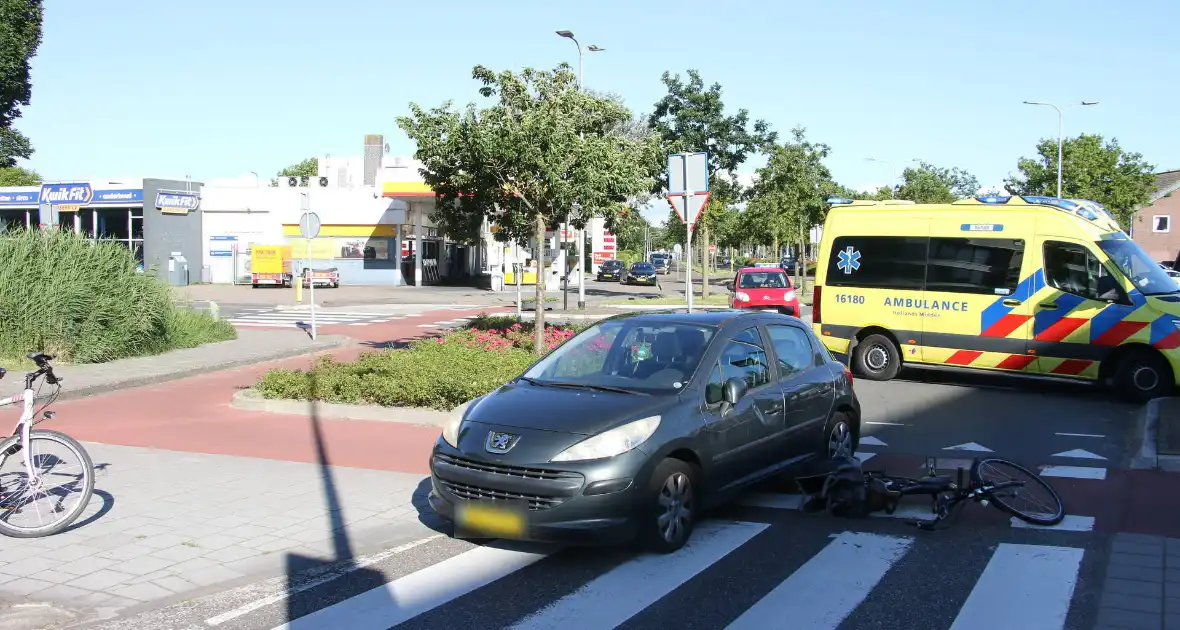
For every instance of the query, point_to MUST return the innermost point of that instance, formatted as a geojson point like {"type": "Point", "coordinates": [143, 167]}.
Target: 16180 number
{"type": "Point", "coordinates": [842, 298]}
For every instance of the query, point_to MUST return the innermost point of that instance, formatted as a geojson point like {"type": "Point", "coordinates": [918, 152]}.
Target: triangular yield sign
{"type": "Point", "coordinates": [970, 446]}
{"type": "Point", "coordinates": [871, 441]}
{"type": "Point", "coordinates": [1079, 454]}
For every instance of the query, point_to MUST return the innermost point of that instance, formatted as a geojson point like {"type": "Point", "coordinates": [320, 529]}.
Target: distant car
{"type": "Point", "coordinates": [640, 273]}
{"type": "Point", "coordinates": [765, 265]}
{"type": "Point", "coordinates": [763, 288]}
{"type": "Point", "coordinates": [636, 426]}
{"type": "Point", "coordinates": [787, 264]}
{"type": "Point", "coordinates": [1174, 275]}
{"type": "Point", "coordinates": [610, 270]}
{"type": "Point", "coordinates": [662, 266]}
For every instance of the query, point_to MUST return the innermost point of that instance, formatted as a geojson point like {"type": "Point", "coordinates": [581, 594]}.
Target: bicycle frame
{"type": "Point", "coordinates": [24, 426]}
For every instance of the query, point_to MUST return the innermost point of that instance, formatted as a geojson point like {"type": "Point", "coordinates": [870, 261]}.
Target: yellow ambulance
{"type": "Point", "coordinates": [1029, 285]}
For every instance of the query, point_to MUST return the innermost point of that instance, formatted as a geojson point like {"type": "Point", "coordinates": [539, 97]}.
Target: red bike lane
{"type": "Point", "coordinates": [194, 414]}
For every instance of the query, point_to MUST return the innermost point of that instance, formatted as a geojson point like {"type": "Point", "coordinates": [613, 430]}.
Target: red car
{"type": "Point", "coordinates": [764, 288]}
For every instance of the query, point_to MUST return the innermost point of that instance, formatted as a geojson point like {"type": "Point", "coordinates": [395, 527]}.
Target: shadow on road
{"type": "Point", "coordinates": [108, 503]}
{"type": "Point", "coordinates": [303, 600]}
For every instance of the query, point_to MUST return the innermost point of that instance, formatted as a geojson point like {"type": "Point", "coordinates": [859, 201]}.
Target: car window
{"type": "Point", "coordinates": [880, 262]}
{"type": "Point", "coordinates": [763, 280]}
{"type": "Point", "coordinates": [745, 360]}
{"type": "Point", "coordinates": [750, 336]}
{"type": "Point", "coordinates": [793, 348]}
{"type": "Point", "coordinates": [1073, 269]}
{"type": "Point", "coordinates": [714, 388]}
{"type": "Point", "coordinates": [627, 354]}
{"type": "Point", "coordinates": [975, 265]}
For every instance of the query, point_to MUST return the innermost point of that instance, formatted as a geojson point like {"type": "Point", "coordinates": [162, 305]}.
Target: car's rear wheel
{"type": "Point", "coordinates": [671, 510]}
{"type": "Point", "coordinates": [876, 358]}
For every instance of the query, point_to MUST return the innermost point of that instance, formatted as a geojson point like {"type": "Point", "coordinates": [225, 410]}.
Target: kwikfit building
{"type": "Point", "coordinates": [158, 218]}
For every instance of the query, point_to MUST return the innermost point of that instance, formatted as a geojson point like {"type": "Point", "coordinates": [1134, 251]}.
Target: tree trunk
{"type": "Point", "coordinates": [539, 319]}
{"type": "Point", "coordinates": [776, 242]}
{"type": "Point", "coordinates": [705, 263]}
{"type": "Point", "coordinates": [801, 265]}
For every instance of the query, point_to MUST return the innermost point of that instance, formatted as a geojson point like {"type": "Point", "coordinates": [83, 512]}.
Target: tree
{"type": "Point", "coordinates": [692, 118]}
{"type": "Point", "coordinates": [930, 184]}
{"type": "Point", "coordinates": [1094, 170]}
{"type": "Point", "coordinates": [629, 230]}
{"type": "Point", "coordinates": [307, 168]}
{"type": "Point", "coordinates": [20, 36]}
{"type": "Point", "coordinates": [789, 193]}
{"type": "Point", "coordinates": [543, 146]}
{"type": "Point", "coordinates": [15, 176]}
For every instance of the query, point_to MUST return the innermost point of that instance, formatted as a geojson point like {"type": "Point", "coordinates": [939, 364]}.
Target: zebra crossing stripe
{"type": "Point", "coordinates": [627, 590]}
{"type": "Point", "coordinates": [1023, 587]}
{"type": "Point", "coordinates": [407, 597]}
{"type": "Point", "coordinates": [829, 586]}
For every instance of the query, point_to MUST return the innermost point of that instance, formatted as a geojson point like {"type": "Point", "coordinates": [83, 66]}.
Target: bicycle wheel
{"type": "Point", "coordinates": [1045, 507]}
{"type": "Point", "coordinates": [41, 501]}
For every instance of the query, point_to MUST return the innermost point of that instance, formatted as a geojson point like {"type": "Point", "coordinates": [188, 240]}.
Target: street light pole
{"type": "Point", "coordinates": [1060, 137]}
{"type": "Point", "coordinates": [581, 233]}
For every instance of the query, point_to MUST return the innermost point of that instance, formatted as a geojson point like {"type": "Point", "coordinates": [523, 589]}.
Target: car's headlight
{"type": "Point", "coordinates": [450, 428]}
{"type": "Point", "coordinates": [610, 443]}
{"type": "Point", "coordinates": [790, 295]}
{"type": "Point", "coordinates": [742, 296]}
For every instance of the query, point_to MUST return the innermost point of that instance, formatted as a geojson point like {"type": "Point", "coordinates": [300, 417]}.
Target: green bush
{"type": "Point", "coordinates": [427, 374]}
{"type": "Point", "coordinates": [84, 302]}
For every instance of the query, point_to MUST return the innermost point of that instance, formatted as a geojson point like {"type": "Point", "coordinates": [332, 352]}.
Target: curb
{"type": "Point", "coordinates": [663, 307]}
{"type": "Point", "coordinates": [67, 393]}
{"type": "Point", "coordinates": [252, 400]}
{"type": "Point", "coordinates": [1148, 457]}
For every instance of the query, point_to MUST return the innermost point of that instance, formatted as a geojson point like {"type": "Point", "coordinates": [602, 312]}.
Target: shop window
{"type": "Point", "coordinates": [112, 223]}
{"type": "Point", "coordinates": [86, 222]}
{"type": "Point", "coordinates": [137, 226]}
{"type": "Point", "coordinates": [364, 249]}
{"type": "Point", "coordinates": [66, 221]}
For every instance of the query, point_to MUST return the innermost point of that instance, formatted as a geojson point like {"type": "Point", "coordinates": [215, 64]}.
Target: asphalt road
{"type": "Point", "coordinates": [745, 568]}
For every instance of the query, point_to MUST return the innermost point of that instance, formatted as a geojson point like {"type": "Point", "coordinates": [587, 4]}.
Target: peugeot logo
{"type": "Point", "coordinates": [500, 442]}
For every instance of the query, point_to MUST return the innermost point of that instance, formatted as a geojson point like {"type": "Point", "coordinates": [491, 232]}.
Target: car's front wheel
{"type": "Point", "coordinates": [671, 510]}
{"type": "Point", "coordinates": [840, 438]}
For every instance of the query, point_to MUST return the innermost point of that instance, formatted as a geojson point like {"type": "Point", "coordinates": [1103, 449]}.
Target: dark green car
{"type": "Point", "coordinates": [641, 273]}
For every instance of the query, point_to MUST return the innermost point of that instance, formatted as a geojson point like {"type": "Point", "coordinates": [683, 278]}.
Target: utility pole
{"type": "Point", "coordinates": [1060, 138]}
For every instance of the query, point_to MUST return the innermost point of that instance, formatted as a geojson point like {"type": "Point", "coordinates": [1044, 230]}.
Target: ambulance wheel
{"type": "Point", "coordinates": [876, 358]}
{"type": "Point", "coordinates": [1143, 375]}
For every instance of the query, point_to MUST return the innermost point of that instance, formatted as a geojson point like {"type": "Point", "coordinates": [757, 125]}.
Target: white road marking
{"type": "Point", "coordinates": [1071, 523]}
{"type": "Point", "coordinates": [407, 597]}
{"type": "Point", "coordinates": [910, 512]}
{"type": "Point", "coordinates": [1087, 435]}
{"type": "Point", "coordinates": [427, 325]}
{"type": "Point", "coordinates": [1078, 453]}
{"type": "Point", "coordinates": [286, 592]}
{"type": "Point", "coordinates": [869, 440]}
{"type": "Point", "coordinates": [623, 592]}
{"type": "Point", "coordinates": [969, 446]}
{"type": "Point", "coordinates": [889, 424]}
{"type": "Point", "coordinates": [1023, 587]}
{"type": "Point", "coordinates": [864, 457]}
{"type": "Point", "coordinates": [1074, 472]}
{"type": "Point", "coordinates": [826, 589]}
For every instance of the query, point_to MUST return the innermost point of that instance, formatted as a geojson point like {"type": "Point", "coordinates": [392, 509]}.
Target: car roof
{"type": "Point", "coordinates": [761, 269]}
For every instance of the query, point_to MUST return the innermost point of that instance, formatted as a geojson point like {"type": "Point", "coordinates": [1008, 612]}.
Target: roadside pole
{"type": "Point", "coordinates": [688, 192]}
{"type": "Point", "coordinates": [309, 228]}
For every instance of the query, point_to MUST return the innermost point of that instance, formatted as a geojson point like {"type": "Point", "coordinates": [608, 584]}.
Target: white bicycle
{"type": "Point", "coordinates": [31, 490]}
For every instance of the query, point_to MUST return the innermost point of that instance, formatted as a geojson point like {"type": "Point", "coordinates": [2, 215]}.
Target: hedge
{"type": "Point", "coordinates": [438, 373]}
{"type": "Point", "coordinates": [83, 301]}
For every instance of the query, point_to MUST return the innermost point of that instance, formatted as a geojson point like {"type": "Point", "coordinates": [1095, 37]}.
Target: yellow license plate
{"type": "Point", "coordinates": [490, 520]}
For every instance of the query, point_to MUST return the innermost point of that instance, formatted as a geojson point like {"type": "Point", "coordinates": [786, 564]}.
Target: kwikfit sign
{"type": "Point", "coordinates": [176, 202]}
{"type": "Point", "coordinates": [78, 194]}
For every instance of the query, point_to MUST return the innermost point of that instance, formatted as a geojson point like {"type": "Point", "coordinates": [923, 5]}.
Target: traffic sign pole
{"type": "Point", "coordinates": [309, 228]}
{"type": "Point", "coordinates": [689, 225]}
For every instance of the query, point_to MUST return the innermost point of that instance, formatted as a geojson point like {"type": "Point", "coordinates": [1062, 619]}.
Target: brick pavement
{"type": "Point", "coordinates": [1142, 587]}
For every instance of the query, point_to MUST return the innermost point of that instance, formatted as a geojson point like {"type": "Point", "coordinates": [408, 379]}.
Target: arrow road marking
{"type": "Point", "coordinates": [1078, 453]}
{"type": "Point", "coordinates": [970, 446]}
{"type": "Point", "coordinates": [871, 441]}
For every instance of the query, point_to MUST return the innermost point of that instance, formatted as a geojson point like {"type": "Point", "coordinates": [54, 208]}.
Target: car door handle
{"type": "Point", "coordinates": [1048, 306]}
{"type": "Point", "coordinates": [1012, 302]}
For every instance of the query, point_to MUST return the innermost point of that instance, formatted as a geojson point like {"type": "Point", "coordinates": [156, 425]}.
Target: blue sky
{"type": "Point", "coordinates": [215, 88]}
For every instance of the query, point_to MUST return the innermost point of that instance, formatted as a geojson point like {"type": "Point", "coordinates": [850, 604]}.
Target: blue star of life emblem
{"type": "Point", "coordinates": [849, 260]}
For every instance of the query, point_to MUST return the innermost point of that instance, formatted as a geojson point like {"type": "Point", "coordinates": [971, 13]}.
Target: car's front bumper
{"type": "Point", "coordinates": [642, 279]}
{"type": "Point", "coordinates": [585, 503]}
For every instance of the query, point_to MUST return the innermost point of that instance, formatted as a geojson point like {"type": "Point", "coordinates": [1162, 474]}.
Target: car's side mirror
{"type": "Point", "coordinates": [731, 392]}
{"type": "Point", "coordinates": [729, 286]}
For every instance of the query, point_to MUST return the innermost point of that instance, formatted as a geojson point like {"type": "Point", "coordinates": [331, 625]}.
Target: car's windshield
{"type": "Point", "coordinates": [1139, 268]}
{"type": "Point", "coordinates": [763, 280]}
{"type": "Point", "coordinates": [641, 267]}
{"type": "Point", "coordinates": [647, 357]}
{"type": "Point", "coordinates": [660, 262]}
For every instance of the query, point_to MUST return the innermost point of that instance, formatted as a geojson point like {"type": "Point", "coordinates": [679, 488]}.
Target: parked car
{"type": "Point", "coordinates": [636, 426]}
{"type": "Point", "coordinates": [640, 273]}
{"type": "Point", "coordinates": [610, 270]}
{"type": "Point", "coordinates": [787, 264]}
{"type": "Point", "coordinates": [662, 265]}
{"type": "Point", "coordinates": [763, 288]}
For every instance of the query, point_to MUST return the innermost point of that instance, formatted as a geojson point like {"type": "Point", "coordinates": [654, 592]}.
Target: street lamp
{"type": "Point", "coordinates": [1059, 136]}
{"type": "Point", "coordinates": [581, 233]}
